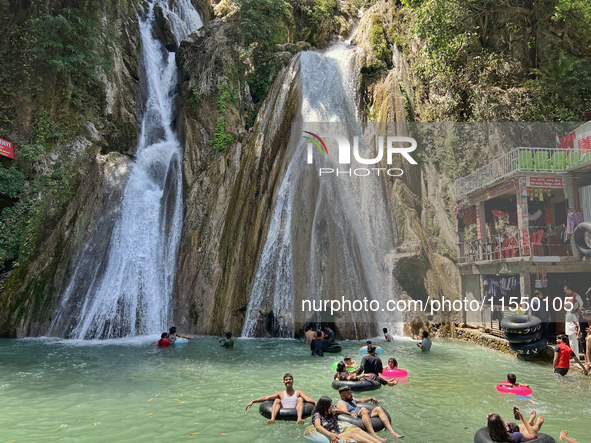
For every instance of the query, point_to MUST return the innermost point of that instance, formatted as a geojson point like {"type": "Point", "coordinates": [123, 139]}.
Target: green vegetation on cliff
{"type": "Point", "coordinates": [53, 55]}
{"type": "Point", "coordinates": [485, 61]}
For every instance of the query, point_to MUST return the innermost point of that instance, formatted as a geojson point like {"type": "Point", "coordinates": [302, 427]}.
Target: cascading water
{"type": "Point", "coordinates": [128, 292]}
{"type": "Point", "coordinates": [338, 228]}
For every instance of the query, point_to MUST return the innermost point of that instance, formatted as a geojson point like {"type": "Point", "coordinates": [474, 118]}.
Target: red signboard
{"type": "Point", "coordinates": [567, 142]}
{"type": "Point", "coordinates": [545, 182]}
{"type": "Point", "coordinates": [6, 149]}
{"type": "Point", "coordinates": [585, 144]}
{"type": "Point", "coordinates": [498, 190]}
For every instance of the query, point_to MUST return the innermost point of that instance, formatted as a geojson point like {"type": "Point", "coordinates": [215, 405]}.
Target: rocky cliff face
{"type": "Point", "coordinates": [228, 193]}
{"type": "Point", "coordinates": [79, 179]}
{"type": "Point", "coordinates": [231, 174]}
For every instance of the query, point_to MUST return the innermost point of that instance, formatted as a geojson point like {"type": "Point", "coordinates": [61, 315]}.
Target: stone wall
{"type": "Point", "coordinates": [483, 339]}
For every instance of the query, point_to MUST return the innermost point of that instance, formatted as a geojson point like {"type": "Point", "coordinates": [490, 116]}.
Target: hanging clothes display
{"type": "Point", "coordinates": [548, 216]}
{"type": "Point", "coordinates": [496, 287]}
{"type": "Point", "coordinates": [572, 220]}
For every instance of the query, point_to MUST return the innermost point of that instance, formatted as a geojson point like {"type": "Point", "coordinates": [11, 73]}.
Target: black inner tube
{"type": "Point", "coordinates": [375, 421]}
{"type": "Point", "coordinates": [482, 436]}
{"type": "Point", "coordinates": [284, 413]}
{"type": "Point", "coordinates": [334, 348]}
{"type": "Point", "coordinates": [520, 324]}
{"type": "Point", "coordinates": [582, 233]}
{"type": "Point", "coordinates": [363, 385]}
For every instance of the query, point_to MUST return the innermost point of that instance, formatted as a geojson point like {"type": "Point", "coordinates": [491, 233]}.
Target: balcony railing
{"type": "Point", "coordinates": [529, 242]}
{"type": "Point", "coordinates": [521, 159]}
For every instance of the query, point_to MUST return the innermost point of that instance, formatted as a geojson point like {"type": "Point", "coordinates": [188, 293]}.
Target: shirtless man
{"type": "Point", "coordinates": [310, 334]}
{"type": "Point", "coordinates": [290, 398]}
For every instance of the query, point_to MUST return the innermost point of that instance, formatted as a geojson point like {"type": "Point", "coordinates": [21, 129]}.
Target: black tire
{"type": "Point", "coordinates": [333, 349]}
{"type": "Point", "coordinates": [523, 338]}
{"type": "Point", "coordinates": [580, 241]}
{"type": "Point", "coordinates": [375, 421]}
{"type": "Point", "coordinates": [520, 324]}
{"type": "Point", "coordinates": [363, 385]}
{"type": "Point", "coordinates": [482, 436]}
{"type": "Point", "coordinates": [529, 349]}
{"type": "Point", "coordinates": [284, 413]}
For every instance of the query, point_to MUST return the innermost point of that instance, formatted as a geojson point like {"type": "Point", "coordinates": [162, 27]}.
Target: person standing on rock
{"type": "Point", "coordinates": [573, 329]}
{"type": "Point", "coordinates": [572, 297]}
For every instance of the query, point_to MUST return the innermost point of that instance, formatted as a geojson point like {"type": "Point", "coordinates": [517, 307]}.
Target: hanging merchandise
{"type": "Point", "coordinates": [531, 195]}
{"type": "Point", "coordinates": [544, 278]}
{"type": "Point", "coordinates": [498, 213]}
{"type": "Point", "coordinates": [535, 215]}
{"type": "Point", "coordinates": [541, 194]}
{"type": "Point", "coordinates": [572, 220]}
{"type": "Point", "coordinates": [549, 194]}
{"type": "Point", "coordinates": [548, 216]}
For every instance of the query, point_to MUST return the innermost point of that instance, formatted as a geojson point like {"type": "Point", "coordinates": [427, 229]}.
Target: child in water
{"type": "Point", "coordinates": [387, 335]}
{"type": "Point", "coordinates": [350, 363]}
{"type": "Point", "coordinates": [512, 382]}
{"type": "Point", "coordinates": [392, 364]}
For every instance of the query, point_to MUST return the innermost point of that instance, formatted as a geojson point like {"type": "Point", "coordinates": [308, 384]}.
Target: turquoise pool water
{"type": "Point", "coordinates": [116, 391]}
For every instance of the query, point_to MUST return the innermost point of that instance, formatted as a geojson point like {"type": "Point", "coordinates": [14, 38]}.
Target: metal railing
{"type": "Point", "coordinates": [521, 160]}
{"type": "Point", "coordinates": [526, 243]}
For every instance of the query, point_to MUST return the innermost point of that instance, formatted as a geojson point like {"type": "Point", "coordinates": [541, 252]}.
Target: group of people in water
{"type": "Point", "coordinates": [170, 337]}
{"type": "Point", "coordinates": [370, 368]}
{"type": "Point", "coordinates": [324, 415]}
{"type": "Point", "coordinates": [501, 431]}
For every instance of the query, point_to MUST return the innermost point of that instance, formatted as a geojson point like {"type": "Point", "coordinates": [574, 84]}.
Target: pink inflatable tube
{"type": "Point", "coordinates": [519, 390]}
{"type": "Point", "coordinates": [394, 373]}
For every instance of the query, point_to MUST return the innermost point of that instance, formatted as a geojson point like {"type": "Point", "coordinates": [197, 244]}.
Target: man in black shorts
{"type": "Point", "coordinates": [318, 344]}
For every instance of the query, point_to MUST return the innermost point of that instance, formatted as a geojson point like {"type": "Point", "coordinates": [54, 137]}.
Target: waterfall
{"type": "Point", "coordinates": [128, 291]}
{"type": "Point", "coordinates": [329, 236]}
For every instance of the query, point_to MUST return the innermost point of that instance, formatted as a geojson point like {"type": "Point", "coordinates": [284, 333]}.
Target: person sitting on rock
{"type": "Point", "coordinates": [290, 398]}
{"type": "Point", "coordinates": [512, 382]}
{"type": "Point", "coordinates": [348, 405]}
